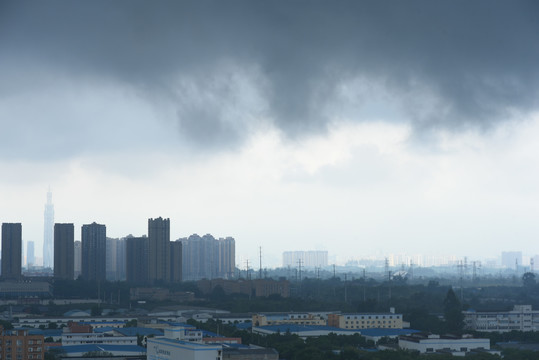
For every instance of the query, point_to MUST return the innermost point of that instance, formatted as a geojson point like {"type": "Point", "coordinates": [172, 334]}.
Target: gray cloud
{"type": "Point", "coordinates": [452, 64]}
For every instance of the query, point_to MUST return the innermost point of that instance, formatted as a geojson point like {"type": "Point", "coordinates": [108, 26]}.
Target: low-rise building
{"type": "Point", "coordinates": [288, 318]}
{"type": "Point", "coordinates": [249, 353]}
{"type": "Point", "coordinates": [257, 287]}
{"type": "Point", "coordinates": [164, 348]}
{"type": "Point", "coordinates": [21, 290]}
{"type": "Point", "coordinates": [431, 343]}
{"type": "Point", "coordinates": [83, 334]}
{"type": "Point", "coordinates": [124, 352]}
{"type": "Point", "coordinates": [18, 344]}
{"type": "Point", "coordinates": [521, 318]}
{"type": "Point", "coordinates": [96, 322]}
{"type": "Point", "coordinates": [388, 320]}
{"type": "Point", "coordinates": [303, 331]}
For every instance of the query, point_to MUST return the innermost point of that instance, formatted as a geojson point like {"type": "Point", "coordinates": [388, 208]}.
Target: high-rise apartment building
{"type": "Point", "coordinates": [120, 259]}
{"type": "Point", "coordinates": [30, 254]}
{"type": "Point", "coordinates": [11, 250]}
{"type": "Point", "coordinates": [94, 251]}
{"type": "Point", "coordinates": [64, 251]}
{"type": "Point", "coordinates": [227, 257]}
{"type": "Point", "coordinates": [136, 259]}
{"type": "Point", "coordinates": [207, 258]}
{"type": "Point", "coordinates": [77, 256]}
{"type": "Point", "coordinates": [158, 249]}
{"type": "Point", "coordinates": [48, 236]}
{"type": "Point", "coordinates": [176, 261]}
{"type": "Point", "coordinates": [112, 250]}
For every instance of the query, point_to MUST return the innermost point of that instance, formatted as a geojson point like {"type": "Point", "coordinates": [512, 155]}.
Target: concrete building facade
{"type": "Point", "coordinates": [77, 258]}
{"type": "Point", "coordinates": [64, 251]}
{"type": "Point", "coordinates": [11, 250]}
{"type": "Point", "coordinates": [430, 343]}
{"type": "Point", "coordinates": [521, 318]}
{"type": "Point", "coordinates": [159, 249]}
{"type": "Point", "coordinates": [136, 261]}
{"type": "Point", "coordinates": [366, 321]}
{"type": "Point", "coordinates": [94, 251]}
{"type": "Point", "coordinates": [18, 344]}
{"type": "Point", "coordinates": [176, 261]}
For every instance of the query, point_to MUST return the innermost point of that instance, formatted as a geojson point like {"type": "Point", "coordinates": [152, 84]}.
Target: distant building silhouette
{"type": "Point", "coordinates": [136, 259]}
{"type": "Point", "coordinates": [111, 261]}
{"type": "Point", "coordinates": [120, 259]}
{"type": "Point", "coordinates": [511, 259]}
{"type": "Point", "coordinates": [48, 237]}
{"type": "Point", "coordinates": [313, 258]}
{"type": "Point", "coordinates": [64, 251]}
{"type": "Point", "coordinates": [207, 258]}
{"type": "Point", "coordinates": [77, 256]}
{"type": "Point", "coordinates": [94, 251]}
{"type": "Point", "coordinates": [159, 249]}
{"type": "Point", "coordinates": [227, 257]}
{"type": "Point", "coordinates": [116, 259]}
{"type": "Point", "coordinates": [30, 254]}
{"type": "Point", "coordinates": [11, 250]}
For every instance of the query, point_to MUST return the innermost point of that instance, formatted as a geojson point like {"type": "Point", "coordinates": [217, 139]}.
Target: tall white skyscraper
{"type": "Point", "coordinates": [48, 238]}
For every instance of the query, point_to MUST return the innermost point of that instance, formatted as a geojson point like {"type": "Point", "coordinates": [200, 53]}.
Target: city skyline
{"type": "Point", "coordinates": [195, 257]}
{"type": "Point", "coordinates": [357, 128]}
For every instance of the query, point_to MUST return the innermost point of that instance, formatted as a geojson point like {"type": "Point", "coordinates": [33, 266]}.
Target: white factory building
{"type": "Point", "coordinates": [521, 318]}
{"type": "Point", "coordinates": [430, 344]}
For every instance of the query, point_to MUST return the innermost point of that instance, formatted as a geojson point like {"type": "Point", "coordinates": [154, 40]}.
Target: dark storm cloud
{"type": "Point", "coordinates": [478, 60]}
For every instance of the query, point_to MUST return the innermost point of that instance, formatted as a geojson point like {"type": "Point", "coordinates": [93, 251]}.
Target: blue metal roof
{"type": "Point", "coordinates": [206, 333]}
{"type": "Point", "coordinates": [174, 323]}
{"type": "Point", "coordinates": [243, 325]}
{"type": "Point", "coordinates": [104, 329]}
{"type": "Point", "coordinates": [235, 346]}
{"type": "Point", "coordinates": [101, 347]}
{"type": "Point", "coordinates": [304, 328]}
{"type": "Point", "coordinates": [377, 332]}
{"type": "Point", "coordinates": [132, 331]}
{"type": "Point", "coordinates": [45, 332]}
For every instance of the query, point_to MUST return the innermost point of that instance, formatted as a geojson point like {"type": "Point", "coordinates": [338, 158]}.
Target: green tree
{"type": "Point", "coordinates": [6, 325]}
{"type": "Point", "coordinates": [131, 323]}
{"type": "Point", "coordinates": [53, 325]}
{"type": "Point", "coordinates": [97, 354]}
{"type": "Point", "coordinates": [454, 318]}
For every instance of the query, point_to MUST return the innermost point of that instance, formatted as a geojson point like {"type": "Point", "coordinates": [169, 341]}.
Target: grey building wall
{"type": "Point", "coordinates": [64, 251]}
{"type": "Point", "coordinates": [94, 251]}
{"type": "Point", "coordinates": [11, 250]}
{"type": "Point", "coordinates": [158, 249]}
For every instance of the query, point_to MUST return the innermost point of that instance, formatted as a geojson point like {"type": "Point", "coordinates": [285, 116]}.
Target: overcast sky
{"type": "Point", "coordinates": [357, 127]}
